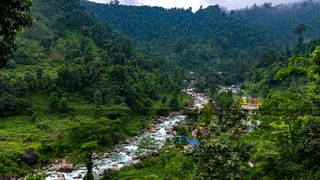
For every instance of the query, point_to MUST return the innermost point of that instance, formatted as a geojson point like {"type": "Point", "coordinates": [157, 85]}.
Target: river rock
{"type": "Point", "coordinates": [65, 167]}
{"type": "Point", "coordinates": [61, 177]}
{"type": "Point", "coordinates": [117, 150]}
{"type": "Point", "coordinates": [136, 158]}
{"type": "Point", "coordinates": [123, 147]}
{"type": "Point", "coordinates": [30, 157]}
{"type": "Point", "coordinates": [106, 155]}
{"type": "Point", "coordinates": [153, 130]}
{"type": "Point", "coordinates": [78, 177]}
{"type": "Point", "coordinates": [175, 128]}
{"type": "Point", "coordinates": [53, 167]}
{"type": "Point", "coordinates": [95, 156]}
{"type": "Point", "coordinates": [174, 133]}
{"type": "Point", "coordinates": [143, 157]}
{"type": "Point", "coordinates": [160, 120]}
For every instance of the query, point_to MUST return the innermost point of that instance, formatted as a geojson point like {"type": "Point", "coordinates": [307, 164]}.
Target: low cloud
{"type": "Point", "coordinates": [236, 4]}
{"type": "Point", "coordinates": [195, 4]}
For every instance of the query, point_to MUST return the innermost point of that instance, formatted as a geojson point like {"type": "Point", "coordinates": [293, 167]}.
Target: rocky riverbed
{"type": "Point", "coordinates": [125, 153]}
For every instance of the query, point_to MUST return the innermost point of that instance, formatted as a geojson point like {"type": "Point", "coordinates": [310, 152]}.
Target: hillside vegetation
{"type": "Point", "coordinates": [77, 78]}
{"type": "Point", "coordinates": [212, 38]}
{"type": "Point", "coordinates": [73, 76]}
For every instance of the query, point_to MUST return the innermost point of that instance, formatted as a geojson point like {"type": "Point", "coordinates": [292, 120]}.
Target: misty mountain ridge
{"type": "Point", "coordinates": [213, 37]}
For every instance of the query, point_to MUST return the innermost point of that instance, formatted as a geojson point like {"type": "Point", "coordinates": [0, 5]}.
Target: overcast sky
{"type": "Point", "coordinates": [195, 4]}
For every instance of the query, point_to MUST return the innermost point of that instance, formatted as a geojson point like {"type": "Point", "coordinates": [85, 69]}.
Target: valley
{"type": "Point", "coordinates": [126, 154]}
{"type": "Point", "coordinates": [116, 91]}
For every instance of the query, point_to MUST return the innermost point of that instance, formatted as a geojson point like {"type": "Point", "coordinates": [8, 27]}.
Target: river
{"type": "Point", "coordinates": [126, 154]}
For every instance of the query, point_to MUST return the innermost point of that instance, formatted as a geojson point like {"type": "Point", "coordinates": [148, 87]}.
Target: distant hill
{"type": "Point", "coordinates": [212, 36]}
{"type": "Point", "coordinates": [245, 28]}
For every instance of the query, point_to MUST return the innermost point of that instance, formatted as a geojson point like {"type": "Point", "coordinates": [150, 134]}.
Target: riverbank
{"type": "Point", "coordinates": [161, 128]}
{"type": "Point", "coordinates": [123, 154]}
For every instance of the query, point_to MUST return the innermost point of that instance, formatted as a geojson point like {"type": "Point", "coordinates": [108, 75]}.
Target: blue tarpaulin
{"type": "Point", "coordinates": [192, 142]}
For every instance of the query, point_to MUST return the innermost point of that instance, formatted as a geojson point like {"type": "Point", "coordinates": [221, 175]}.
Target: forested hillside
{"type": "Point", "coordinates": [72, 81]}
{"type": "Point", "coordinates": [261, 78]}
{"type": "Point", "coordinates": [213, 39]}
{"type": "Point", "coordinates": [114, 91]}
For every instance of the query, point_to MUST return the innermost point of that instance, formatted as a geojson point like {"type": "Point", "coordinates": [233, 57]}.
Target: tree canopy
{"type": "Point", "coordinates": [15, 15]}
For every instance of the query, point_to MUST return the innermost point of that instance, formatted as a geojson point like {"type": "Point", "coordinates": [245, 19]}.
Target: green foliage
{"type": "Point", "coordinates": [110, 175]}
{"type": "Point", "coordinates": [11, 64]}
{"type": "Point", "coordinates": [218, 157]}
{"type": "Point", "coordinates": [63, 105]}
{"type": "Point", "coordinates": [289, 120]}
{"type": "Point", "coordinates": [54, 101]}
{"type": "Point", "coordinates": [213, 39]}
{"type": "Point", "coordinates": [207, 114]}
{"type": "Point", "coordinates": [10, 105]}
{"type": "Point", "coordinates": [170, 164]}
{"type": "Point", "coordinates": [183, 131]}
{"type": "Point", "coordinates": [223, 100]}
{"type": "Point", "coordinates": [14, 16]}
{"type": "Point", "coordinates": [174, 103]}
{"type": "Point", "coordinates": [104, 89]}
{"type": "Point", "coordinates": [87, 148]}
{"type": "Point", "coordinates": [164, 100]}
{"type": "Point", "coordinates": [37, 177]}
{"type": "Point", "coordinates": [97, 98]}
{"type": "Point", "coordinates": [46, 44]}
{"type": "Point", "coordinates": [222, 153]}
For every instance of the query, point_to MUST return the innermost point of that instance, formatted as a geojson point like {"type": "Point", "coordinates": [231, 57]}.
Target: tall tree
{"type": "Point", "coordinates": [63, 105]}
{"type": "Point", "coordinates": [97, 98]}
{"type": "Point", "coordinates": [46, 43]}
{"type": "Point", "coordinates": [174, 103]}
{"type": "Point", "coordinates": [290, 123]}
{"type": "Point", "coordinates": [219, 157]}
{"type": "Point", "coordinates": [300, 30]}
{"type": "Point", "coordinates": [14, 15]}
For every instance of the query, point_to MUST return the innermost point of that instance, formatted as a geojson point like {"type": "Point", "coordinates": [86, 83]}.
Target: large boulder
{"type": "Point", "coordinates": [138, 166]}
{"type": "Point", "coordinates": [66, 167]}
{"type": "Point", "coordinates": [176, 128]}
{"type": "Point", "coordinates": [30, 157]}
{"type": "Point", "coordinates": [8, 178]}
{"type": "Point", "coordinates": [117, 150]}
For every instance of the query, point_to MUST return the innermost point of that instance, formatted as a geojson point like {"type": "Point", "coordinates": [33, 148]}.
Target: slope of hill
{"type": "Point", "coordinates": [74, 81]}
{"type": "Point", "coordinates": [213, 39]}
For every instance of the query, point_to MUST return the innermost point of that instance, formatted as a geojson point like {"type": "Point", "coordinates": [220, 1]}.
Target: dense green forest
{"type": "Point", "coordinates": [72, 73]}
{"type": "Point", "coordinates": [212, 38]}
{"type": "Point", "coordinates": [280, 141]}
{"type": "Point", "coordinates": [77, 78]}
